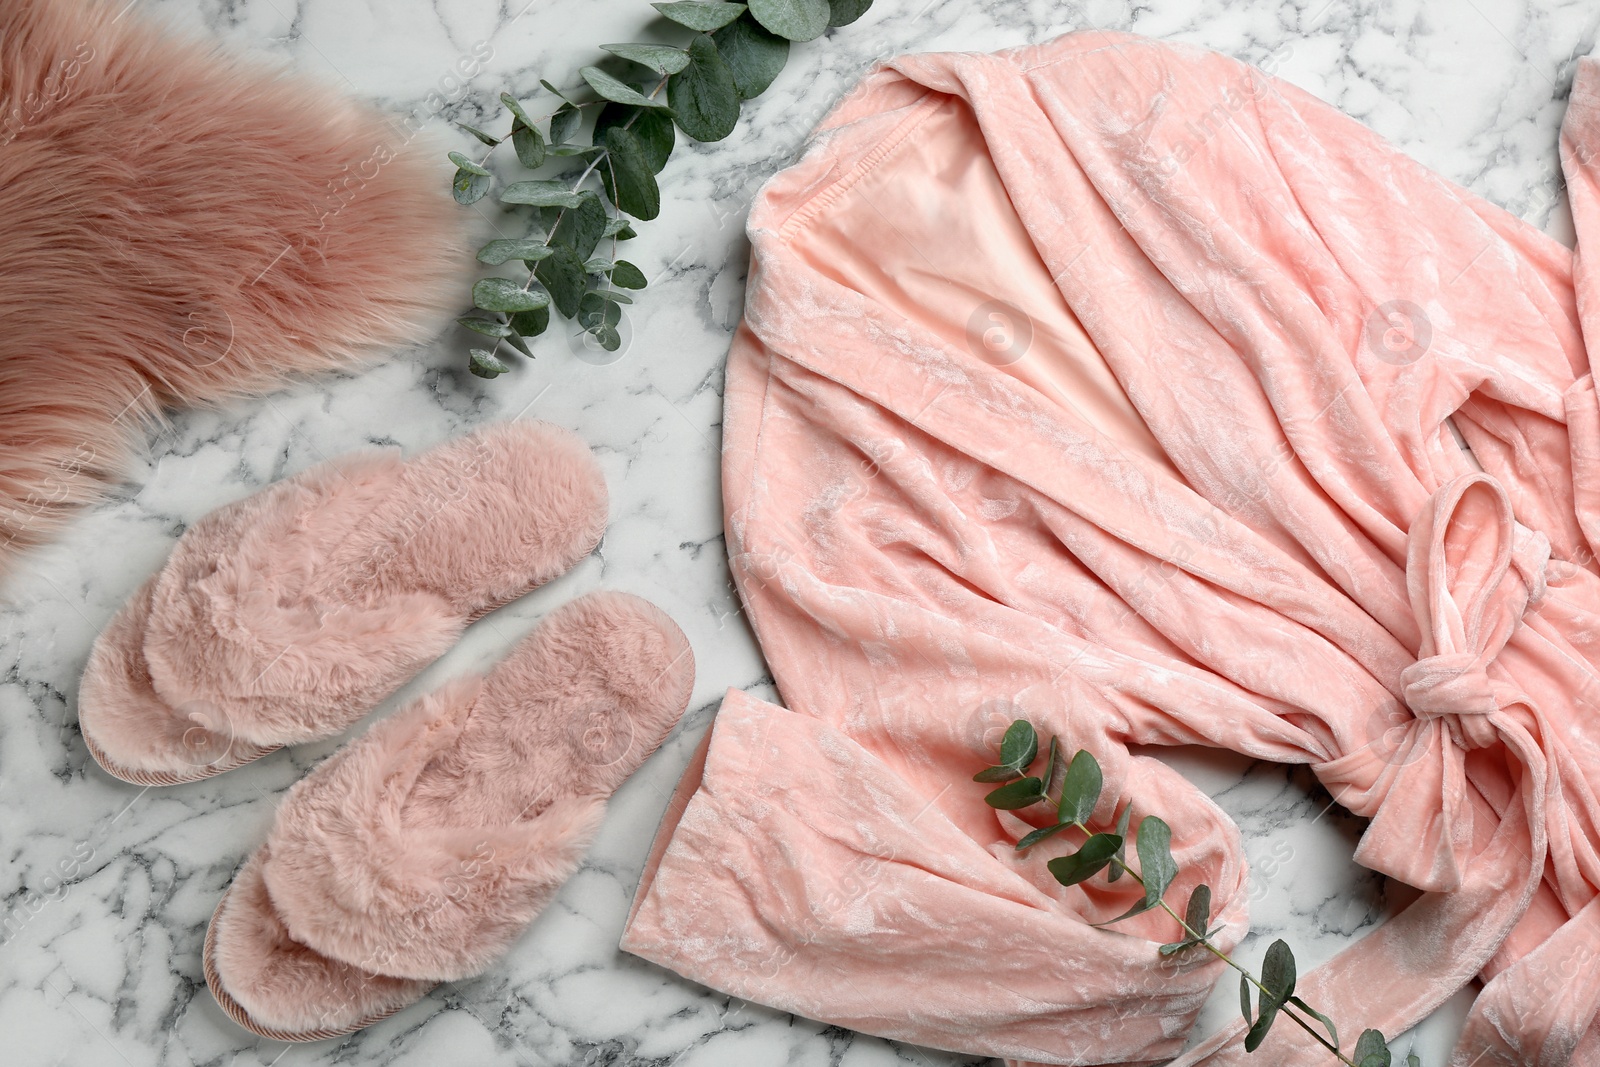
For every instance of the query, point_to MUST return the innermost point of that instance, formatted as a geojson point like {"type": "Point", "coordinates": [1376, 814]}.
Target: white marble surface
{"type": "Point", "coordinates": [104, 967]}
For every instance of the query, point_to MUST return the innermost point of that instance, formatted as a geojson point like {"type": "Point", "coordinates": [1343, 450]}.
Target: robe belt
{"type": "Point", "coordinates": [1471, 571]}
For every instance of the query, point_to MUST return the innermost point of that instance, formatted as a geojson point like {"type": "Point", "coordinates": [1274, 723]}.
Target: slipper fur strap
{"type": "Point", "coordinates": [357, 881]}
{"type": "Point", "coordinates": [246, 638]}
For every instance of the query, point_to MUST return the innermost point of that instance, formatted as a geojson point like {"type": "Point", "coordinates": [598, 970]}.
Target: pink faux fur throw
{"type": "Point", "coordinates": [178, 226]}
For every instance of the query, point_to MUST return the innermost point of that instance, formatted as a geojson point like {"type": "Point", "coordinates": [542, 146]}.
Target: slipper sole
{"type": "Point", "coordinates": [210, 770]}
{"type": "Point", "coordinates": [238, 1014]}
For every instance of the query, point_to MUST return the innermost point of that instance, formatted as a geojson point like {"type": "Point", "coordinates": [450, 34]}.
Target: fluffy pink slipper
{"type": "Point", "coordinates": [286, 616]}
{"type": "Point", "coordinates": [420, 851]}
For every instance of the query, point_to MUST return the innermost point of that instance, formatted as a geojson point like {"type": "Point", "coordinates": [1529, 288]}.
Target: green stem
{"type": "Point", "coordinates": [563, 212]}
{"type": "Point", "coordinates": [603, 155]}
{"type": "Point", "coordinates": [543, 118]}
{"type": "Point", "coordinates": [1205, 942]}
{"type": "Point", "coordinates": [651, 95]}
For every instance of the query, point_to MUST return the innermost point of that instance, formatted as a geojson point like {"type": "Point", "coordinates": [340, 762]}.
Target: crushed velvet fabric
{"type": "Point", "coordinates": [1110, 383]}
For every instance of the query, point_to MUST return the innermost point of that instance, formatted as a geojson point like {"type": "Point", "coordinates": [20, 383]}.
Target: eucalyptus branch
{"type": "Point", "coordinates": [1194, 937]}
{"type": "Point", "coordinates": [733, 54]}
{"type": "Point", "coordinates": [1081, 785]}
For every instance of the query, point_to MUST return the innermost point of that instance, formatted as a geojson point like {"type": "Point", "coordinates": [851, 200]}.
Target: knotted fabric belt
{"type": "Point", "coordinates": [1472, 572]}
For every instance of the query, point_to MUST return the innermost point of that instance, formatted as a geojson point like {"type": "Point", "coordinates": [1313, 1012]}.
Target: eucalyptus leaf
{"type": "Point", "coordinates": [1018, 794]}
{"type": "Point", "coordinates": [625, 232]}
{"type": "Point", "coordinates": [1278, 971]}
{"type": "Point", "coordinates": [1020, 745]}
{"type": "Point", "coordinates": [1041, 834]}
{"type": "Point", "coordinates": [1244, 997]}
{"type": "Point", "coordinates": [545, 192]}
{"type": "Point", "coordinates": [531, 323]}
{"type": "Point", "coordinates": [1115, 871]}
{"type": "Point", "coordinates": [487, 139]}
{"type": "Point", "coordinates": [562, 151]}
{"type": "Point", "coordinates": [660, 58]}
{"type": "Point", "coordinates": [1197, 915]}
{"type": "Point", "coordinates": [1371, 1050]}
{"type": "Point", "coordinates": [469, 188]}
{"type": "Point", "coordinates": [629, 180]}
{"type": "Point", "coordinates": [1156, 865]}
{"type": "Point", "coordinates": [502, 250]}
{"type": "Point", "coordinates": [529, 145]}
{"type": "Point", "coordinates": [1257, 1033]}
{"type": "Point", "coordinates": [798, 20]}
{"type": "Point", "coordinates": [580, 228]}
{"type": "Point", "coordinates": [704, 17]}
{"type": "Point", "coordinates": [598, 265]}
{"type": "Point", "coordinates": [1277, 981]}
{"type": "Point", "coordinates": [519, 344]}
{"type": "Point", "coordinates": [503, 294]}
{"type": "Point", "coordinates": [487, 327]}
{"type": "Point", "coordinates": [1139, 908]}
{"type": "Point", "coordinates": [613, 295]}
{"type": "Point", "coordinates": [565, 122]}
{"type": "Point", "coordinates": [1080, 790]}
{"type": "Point", "coordinates": [484, 364]}
{"type": "Point", "coordinates": [628, 276]}
{"type": "Point", "coordinates": [1052, 757]}
{"type": "Point", "coordinates": [704, 98]}
{"type": "Point", "coordinates": [519, 115]}
{"type": "Point", "coordinates": [755, 56]}
{"type": "Point", "coordinates": [652, 127]}
{"type": "Point", "coordinates": [616, 90]}
{"type": "Point", "coordinates": [1176, 947]}
{"type": "Point", "coordinates": [997, 774]}
{"type": "Point", "coordinates": [468, 165]}
{"type": "Point", "coordinates": [1413, 1060]}
{"type": "Point", "coordinates": [1156, 868]}
{"type": "Point", "coordinates": [558, 92]}
{"type": "Point", "coordinates": [595, 311]}
{"type": "Point", "coordinates": [1087, 861]}
{"type": "Point", "coordinates": [590, 310]}
{"type": "Point", "coordinates": [1188, 943]}
{"type": "Point", "coordinates": [563, 275]}
{"type": "Point", "coordinates": [1333, 1031]}
{"type": "Point", "coordinates": [844, 12]}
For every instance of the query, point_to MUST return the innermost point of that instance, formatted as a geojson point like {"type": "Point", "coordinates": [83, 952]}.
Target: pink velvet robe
{"type": "Point", "coordinates": [1199, 490]}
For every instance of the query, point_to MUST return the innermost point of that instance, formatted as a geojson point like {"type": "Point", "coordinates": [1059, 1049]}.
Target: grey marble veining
{"type": "Point", "coordinates": [109, 887]}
